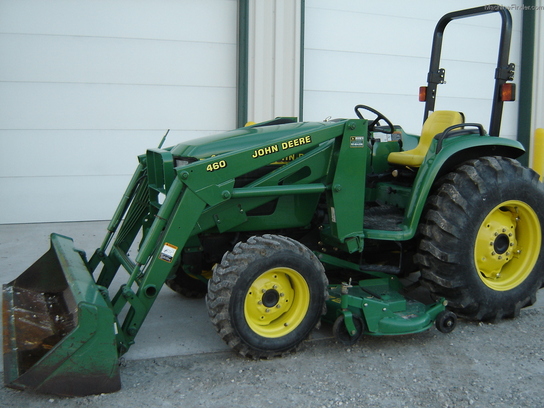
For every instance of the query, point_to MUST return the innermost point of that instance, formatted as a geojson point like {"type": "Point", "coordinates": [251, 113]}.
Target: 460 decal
{"type": "Point", "coordinates": [218, 165]}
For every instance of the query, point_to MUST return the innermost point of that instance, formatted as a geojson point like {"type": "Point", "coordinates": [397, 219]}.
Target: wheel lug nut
{"type": "Point", "coordinates": [260, 302]}
{"type": "Point", "coordinates": [267, 310]}
{"type": "Point", "coordinates": [275, 287]}
{"type": "Point", "coordinates": [278, 306]}
{"type": "Point", "coordinates": [264, 291]}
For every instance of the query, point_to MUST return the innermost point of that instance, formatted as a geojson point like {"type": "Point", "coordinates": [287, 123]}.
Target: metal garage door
{"type": "Point", "coordinates": [87, 86]}
{"type": "Point", "coordinates": [377, 54]}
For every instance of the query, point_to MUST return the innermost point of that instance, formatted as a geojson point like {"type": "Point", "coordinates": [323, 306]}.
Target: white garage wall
{"type": "Point", "coordinates": [86, 86]}
{"type": "Point", "coordinates": [377, 54]}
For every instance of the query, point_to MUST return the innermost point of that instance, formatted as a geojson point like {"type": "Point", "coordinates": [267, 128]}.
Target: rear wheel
{"type": "Point", "coordinates": [481, 245]}
{"type": "Point", "coordinates": [267, 295]}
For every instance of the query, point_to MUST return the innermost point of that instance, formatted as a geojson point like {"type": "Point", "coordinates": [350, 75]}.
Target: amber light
{"type": "Point", "coordinates": [422, 93]}
{"type": "Point", "coordinates": [508, 92]}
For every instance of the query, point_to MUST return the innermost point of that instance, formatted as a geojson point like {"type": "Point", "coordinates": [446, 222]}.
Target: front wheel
{"type": "Point", "coordinates": [481, 245]}
{"type": "Point", "coordinates": [267, 295]}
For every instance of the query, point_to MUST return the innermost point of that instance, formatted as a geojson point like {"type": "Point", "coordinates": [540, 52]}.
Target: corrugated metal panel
{"type": "Point", "coordinates": [87, 86]}
{"type": "Point", "coordinates": [377, 54]}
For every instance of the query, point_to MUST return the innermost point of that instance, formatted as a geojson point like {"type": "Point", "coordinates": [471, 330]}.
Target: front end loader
{"type": "Point", "coordinates": [283, 223]}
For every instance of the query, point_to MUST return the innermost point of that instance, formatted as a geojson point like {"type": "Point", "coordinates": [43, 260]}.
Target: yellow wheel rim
{"type": "Point", "coordinates": [277, 302]}
{"type": "Point", "coordinates": [507, 245]}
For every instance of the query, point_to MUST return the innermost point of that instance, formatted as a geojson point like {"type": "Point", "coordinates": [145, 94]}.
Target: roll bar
{"type": "Point", "coordinates": [504, 71]}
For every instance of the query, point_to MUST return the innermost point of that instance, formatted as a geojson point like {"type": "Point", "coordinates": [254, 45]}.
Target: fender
{"type": "Point", "coordinates": [454, 152]}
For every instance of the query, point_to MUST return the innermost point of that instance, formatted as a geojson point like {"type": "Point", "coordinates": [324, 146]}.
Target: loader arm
{"type": "Point", "coordinates": [168, 203]}
{"type": "Point", "coordinates": [200, 196]}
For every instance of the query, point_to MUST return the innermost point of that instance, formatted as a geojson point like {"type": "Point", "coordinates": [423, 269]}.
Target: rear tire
{"type": "Point", "coordinates": [481, 245]}
{"type": "Point", "coordinates": [267, 295]}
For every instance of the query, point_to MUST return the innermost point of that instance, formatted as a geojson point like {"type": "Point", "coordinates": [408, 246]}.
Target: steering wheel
{"type": "Point", "coordinates": [379, 116]}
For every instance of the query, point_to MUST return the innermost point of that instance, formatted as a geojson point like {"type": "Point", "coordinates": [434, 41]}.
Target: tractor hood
{"type": "Point", "coordinates": [246, 137]}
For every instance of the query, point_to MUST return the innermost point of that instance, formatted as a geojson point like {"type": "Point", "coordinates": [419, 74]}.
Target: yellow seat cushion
{"type": "Point", "coordinates": [436, 123]}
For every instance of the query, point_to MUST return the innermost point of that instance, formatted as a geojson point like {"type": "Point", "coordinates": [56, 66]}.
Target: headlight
{"type": "Point", "coordinates": [183, 161]}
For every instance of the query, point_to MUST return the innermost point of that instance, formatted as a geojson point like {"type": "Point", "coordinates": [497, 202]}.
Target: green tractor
{"type": "Point", "coordinates": [283, 223]}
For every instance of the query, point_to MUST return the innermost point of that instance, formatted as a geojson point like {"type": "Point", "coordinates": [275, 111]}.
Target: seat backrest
{"type": "Point", "coordinates": [436, 123]}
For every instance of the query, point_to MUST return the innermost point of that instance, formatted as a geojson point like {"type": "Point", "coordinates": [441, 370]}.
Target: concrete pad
{"type": "Point", "coordinates": [175, 325]}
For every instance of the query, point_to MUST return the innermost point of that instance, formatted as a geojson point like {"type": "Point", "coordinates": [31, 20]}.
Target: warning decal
{"type": "Point", "coordinates": [168, 252]}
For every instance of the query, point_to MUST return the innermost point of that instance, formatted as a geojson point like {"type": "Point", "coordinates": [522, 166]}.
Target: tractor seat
{"type": "Point", "coordinates": [436, 123]}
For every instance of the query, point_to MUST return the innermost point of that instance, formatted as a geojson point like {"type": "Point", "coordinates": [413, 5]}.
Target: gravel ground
{"type": "Point", "coordinates": [478, 365]}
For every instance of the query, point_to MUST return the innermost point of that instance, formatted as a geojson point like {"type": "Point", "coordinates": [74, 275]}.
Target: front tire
{"type": "Point", "coordinates": [481, 245]}
{"type": "Point", "coordinates": [267, 295]}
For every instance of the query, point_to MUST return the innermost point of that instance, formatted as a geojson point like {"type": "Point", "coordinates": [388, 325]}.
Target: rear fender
{"type": "Point", "coordinates": [454, 152]}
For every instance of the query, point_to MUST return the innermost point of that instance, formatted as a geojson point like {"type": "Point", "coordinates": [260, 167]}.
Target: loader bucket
{"type": "Point", "coordinates": [59, 333]}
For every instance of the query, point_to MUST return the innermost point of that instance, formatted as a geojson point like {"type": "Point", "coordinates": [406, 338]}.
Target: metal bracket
{"type": "Point", "coordinates": [506, 73]}
{"type": "Point", "coordinates": [437, 77]}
